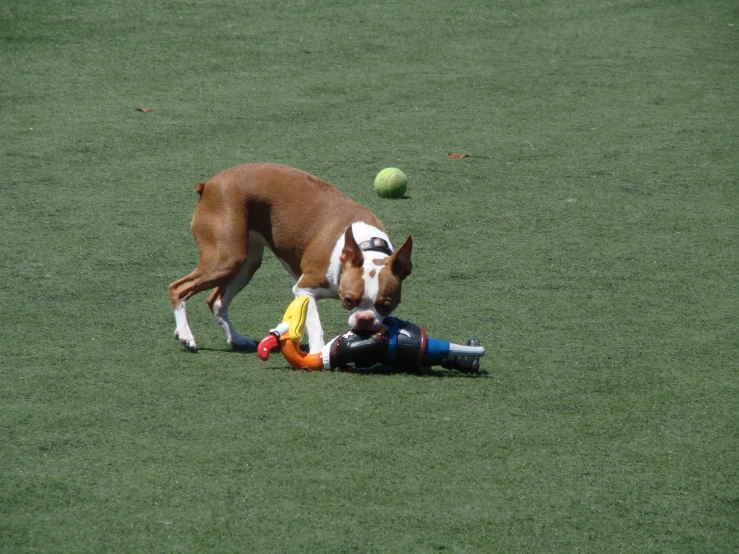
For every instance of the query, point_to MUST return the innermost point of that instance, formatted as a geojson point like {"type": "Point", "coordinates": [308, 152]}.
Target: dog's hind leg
{"type": "Point", "coordinates": [223, 244]}
{"type": "Point", "coordinates": [179, 292]}
{"type": "Point", "coordinates": [204, 277]}
{"type": "Point", "coordinates": [221, 298]}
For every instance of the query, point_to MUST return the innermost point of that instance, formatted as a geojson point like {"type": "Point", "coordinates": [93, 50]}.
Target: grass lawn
{"type": "Point", "coordinates": [593, 250]}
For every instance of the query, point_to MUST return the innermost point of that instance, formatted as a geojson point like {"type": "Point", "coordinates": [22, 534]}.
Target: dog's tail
{"type": "Point", "coordinates": [199, 188]}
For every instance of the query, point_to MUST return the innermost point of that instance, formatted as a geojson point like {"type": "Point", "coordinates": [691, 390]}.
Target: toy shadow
{"type": "Point", "coordinates": [437, 372]}
{"type": "Point", "coordinates": [375, 370]}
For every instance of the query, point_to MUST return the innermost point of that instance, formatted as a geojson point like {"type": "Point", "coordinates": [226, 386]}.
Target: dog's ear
{"type": "Point", "coordinates": [351, 254]}
{"type": "Point", "coordinates": [400, 261]}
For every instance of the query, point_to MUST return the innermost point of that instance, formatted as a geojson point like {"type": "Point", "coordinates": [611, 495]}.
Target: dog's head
{"type": "Point", "coordinates": [371, 281]}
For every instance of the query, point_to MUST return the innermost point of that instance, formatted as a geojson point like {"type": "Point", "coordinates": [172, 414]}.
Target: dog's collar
{"type": "Point", "coordinates": [376, 244]}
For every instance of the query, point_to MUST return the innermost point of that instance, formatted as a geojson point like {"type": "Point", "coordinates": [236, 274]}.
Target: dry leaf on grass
{"type": "Point", "coordinates": [457, 156]}
{"type": "Point", "coordinates": [145, 110]}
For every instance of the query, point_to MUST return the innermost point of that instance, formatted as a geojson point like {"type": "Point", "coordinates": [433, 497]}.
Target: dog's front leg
{"type": "Point", "coordinates": [312, 320]}
{"type": "Point", "coordinates": [313, 326]}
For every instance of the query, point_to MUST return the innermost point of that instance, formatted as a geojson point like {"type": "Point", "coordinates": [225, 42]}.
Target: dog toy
{"type": "Point", "coordinates": [391, 183]}
{"type": "Point", "coordinates": [397, 343]}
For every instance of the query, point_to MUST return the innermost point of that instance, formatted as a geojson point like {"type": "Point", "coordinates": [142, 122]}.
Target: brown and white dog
{"type": "Point", "coordinates": [334, 247]}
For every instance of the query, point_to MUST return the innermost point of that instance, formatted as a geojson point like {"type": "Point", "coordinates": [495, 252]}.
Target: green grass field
{"type": "Point", "coordinates": [594, 251]}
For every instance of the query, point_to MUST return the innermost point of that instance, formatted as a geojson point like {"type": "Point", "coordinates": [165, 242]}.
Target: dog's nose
{"type": "Point", "coordinates": [364, 320]}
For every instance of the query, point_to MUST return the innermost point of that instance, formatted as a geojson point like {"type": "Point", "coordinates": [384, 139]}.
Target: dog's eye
{"type": "Point", "coordinates": [348, 302]}
{"type": "Point", "coordinates": [385, 308]}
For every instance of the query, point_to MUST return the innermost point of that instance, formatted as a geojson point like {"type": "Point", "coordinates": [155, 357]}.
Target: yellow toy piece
{"type": "Point", "coordinates": [295, 316]}
{"type": "Point", "coordinates": [288, 335]}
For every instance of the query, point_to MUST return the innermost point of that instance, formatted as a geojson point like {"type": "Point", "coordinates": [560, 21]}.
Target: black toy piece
{"type": "Point", "coordinates": [402, 344]}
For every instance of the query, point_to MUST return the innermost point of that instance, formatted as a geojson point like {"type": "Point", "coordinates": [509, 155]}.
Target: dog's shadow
{"type": "Point", "coordinates": [229, 350]}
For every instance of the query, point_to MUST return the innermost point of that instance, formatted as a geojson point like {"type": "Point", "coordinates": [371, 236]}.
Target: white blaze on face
{"type": "Point", "coordinates": [371, 277]}
{"type": "Point", "coordinates": [365, 316]}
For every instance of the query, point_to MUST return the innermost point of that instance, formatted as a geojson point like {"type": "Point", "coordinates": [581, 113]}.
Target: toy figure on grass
{"type": "Point", "coordinates": [399, 344]}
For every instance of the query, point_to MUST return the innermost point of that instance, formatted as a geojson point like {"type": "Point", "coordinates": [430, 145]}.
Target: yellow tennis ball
{"type": "Point", "coordinates": [391, 183]}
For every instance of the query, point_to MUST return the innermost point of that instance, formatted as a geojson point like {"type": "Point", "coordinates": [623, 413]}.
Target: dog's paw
{"type": "Point", "coordinates": [187, 339]}
{"type": "Point", "coordinates": [240, 342]}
